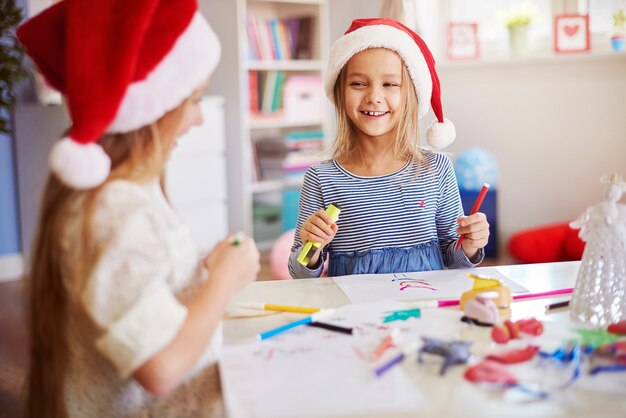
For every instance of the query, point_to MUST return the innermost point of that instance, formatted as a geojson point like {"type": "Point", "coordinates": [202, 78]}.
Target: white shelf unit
{"type": "Point", "coordinates": [195, 176]}
{"type": "Point", "coordinates": [254, 126]}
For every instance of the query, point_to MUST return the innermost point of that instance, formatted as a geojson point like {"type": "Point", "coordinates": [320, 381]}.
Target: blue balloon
{"type": "Point", "coordinates": [475, 167]}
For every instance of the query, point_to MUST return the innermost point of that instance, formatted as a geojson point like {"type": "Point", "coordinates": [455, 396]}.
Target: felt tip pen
{"type": "Point", "coordinates": [397, 359]}
{"type": "Point", "coordinates": [557, 305]}
{"type": "Point", "coordinates": [434, 303]}
{"type": "Point", "coordinates": [304, 321]}
{"type": "Point", "coordinates": [308, 250]}
{"type": "Point", "coordinates": [479, 201]}
{"type": "Point", "coordinates": [238, 238]}
{"type": "Point", "coordinates": [332, 327]}
{"type": "Point", "coordinates": [454, 302]}
{"type": "Point", "coordinates": [282, 308]}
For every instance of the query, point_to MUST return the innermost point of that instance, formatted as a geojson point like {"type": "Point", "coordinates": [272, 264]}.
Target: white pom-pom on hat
{"type": "Point", "coordinates": [80, 166]}
{"type": "Point", "coordinates": [439, 135]}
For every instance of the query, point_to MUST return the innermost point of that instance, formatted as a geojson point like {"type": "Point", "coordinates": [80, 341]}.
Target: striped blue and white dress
{"type": "Point", "coordinates": [400, 222]}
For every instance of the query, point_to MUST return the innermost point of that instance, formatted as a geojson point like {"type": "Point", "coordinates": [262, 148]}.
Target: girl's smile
{"type": "Point", "coordinates": [373, 115]}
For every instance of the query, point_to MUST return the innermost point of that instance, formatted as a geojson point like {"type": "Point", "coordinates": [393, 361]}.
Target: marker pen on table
{"type": "Point", "coordinates": [304, 321]}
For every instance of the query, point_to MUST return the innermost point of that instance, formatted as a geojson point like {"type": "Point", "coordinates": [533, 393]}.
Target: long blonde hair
{"type": "Point", "coordinates": [136, 156]}
{"type": "Point", "coordinates": [406, 143]}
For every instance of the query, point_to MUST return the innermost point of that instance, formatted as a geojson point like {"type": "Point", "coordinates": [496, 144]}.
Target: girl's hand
{"type": "Point", "coordinates": [318, 228]}
{"type": "Point", "coordinates": [476, 230]}
{"type": "Point", "coordinates": [236, 265]}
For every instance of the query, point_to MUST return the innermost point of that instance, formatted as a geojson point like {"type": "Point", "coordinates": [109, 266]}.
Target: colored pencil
{"type": "Point", "coordinates": [479, 201]}
{"type": "Point", "coordinates": [380, 370]}
{"type": "Point", "coordinates": [282, 308]}
{"type": "Point", "coordinates": [557, 305]}
{"type": "Point", "coordinates": [555, 292]}
{"type": "Point", "coordinates": [453, 302]}
{"type": "Point", "coordinates": [304, 321]}
{"type": "Point", "coordinates": [397, 359]}
{"type": "Point", "coordinates": [332, 327]}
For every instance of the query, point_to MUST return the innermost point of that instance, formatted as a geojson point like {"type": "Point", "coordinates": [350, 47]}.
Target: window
{"type": "Point", "coordinates": [433, 17]}
{"type": "Point", "coordinates": [601, 14]}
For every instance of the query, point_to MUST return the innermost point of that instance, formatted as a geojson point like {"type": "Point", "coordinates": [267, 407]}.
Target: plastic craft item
{"type": "Point", "coordinates": [618, 328]}
{"type": "Point", "coordinates": [484, 284]}
{"type": "Point", "coordinates": [489, 371]}
{"type": "Point", "coordinates": [512, 330]}
{"type": "Point", "coordinates": [514, 356]}
{"type": "Point", "coordinates": [453, 352]}
{"type": "Point", "coordinates": [481, 310]}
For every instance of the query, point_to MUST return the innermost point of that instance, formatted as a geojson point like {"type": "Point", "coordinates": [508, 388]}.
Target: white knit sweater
{"type": "Point", "coordinates": [132, 306]}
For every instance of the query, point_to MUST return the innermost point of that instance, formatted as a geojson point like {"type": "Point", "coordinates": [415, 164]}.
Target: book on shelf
{"type": "Point", "coordinates": [277, 147]}
{"type": "Point", "coordinates": [289, 157]}
{"type": "Point", "coordinates": [254, 45]}
{"type": "Point", "coordinates": [280, 39]}
{"type": "Point", "coordinates": [253, 83]}
{"type": "Point", "coordinates": [298, 96]}
{"type": "Point", "coordinates": [266, 91]}
{"type": "Point", "coordinates": [304, 44]}
{"type": "Point", "coordinates": [269, 87]}
{"type": "Point", "coordinates": [277, 98]}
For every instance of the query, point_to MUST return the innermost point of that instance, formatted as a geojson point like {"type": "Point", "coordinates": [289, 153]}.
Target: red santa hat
{"type": "Point", "coordinates": [390, 34]}
{"type": "Point", "coordinates": [121, 65]}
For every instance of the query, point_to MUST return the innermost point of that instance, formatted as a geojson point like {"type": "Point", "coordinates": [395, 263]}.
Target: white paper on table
{"type": "Point", "coordinates": [447, 284]}
{"type": "Point", "coordinates": [311, 376]}
{"type": "Point", "coordinates": [311, 372]}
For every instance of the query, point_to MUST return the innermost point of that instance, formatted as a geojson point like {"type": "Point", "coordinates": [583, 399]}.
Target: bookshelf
{"type": "Point", "coordinates": [283, 50]}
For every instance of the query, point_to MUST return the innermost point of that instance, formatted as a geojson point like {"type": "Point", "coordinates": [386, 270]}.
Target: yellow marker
{"type": "Point", "coordinates": [333, 210]}
{"type": "Point", "coordinates": [282, 308]}
{"type": "Point", "coordinates": [484, 284]}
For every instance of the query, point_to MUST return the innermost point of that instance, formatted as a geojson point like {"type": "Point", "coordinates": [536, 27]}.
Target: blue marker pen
{"type": "Point", "coordinates": [307, 320]}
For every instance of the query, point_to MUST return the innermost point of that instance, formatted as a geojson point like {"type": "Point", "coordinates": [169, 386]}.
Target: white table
{"type": "Point", "coordinates": [451, 395]}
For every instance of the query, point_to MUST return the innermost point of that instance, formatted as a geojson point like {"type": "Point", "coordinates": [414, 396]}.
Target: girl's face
{"type": "Point", "coordinates": [191, 116]}
{"type": "Point", "coordinates": [373, 93]}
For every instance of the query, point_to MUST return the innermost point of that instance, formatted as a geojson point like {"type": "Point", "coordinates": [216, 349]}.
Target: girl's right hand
{"type": "Point", "coordinates": [238, 264]}
{"type": "Point", "coordinates": [318, 228]}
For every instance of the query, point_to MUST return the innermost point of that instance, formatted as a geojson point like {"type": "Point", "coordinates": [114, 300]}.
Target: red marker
{"type": "Point", "coordinates": [479, 201]}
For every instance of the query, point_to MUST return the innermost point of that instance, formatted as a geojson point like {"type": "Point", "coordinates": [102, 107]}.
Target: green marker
{"type": "Point", "coordinates": [238, 238]}
{"type": "Point", "coordinates": [333, 210]}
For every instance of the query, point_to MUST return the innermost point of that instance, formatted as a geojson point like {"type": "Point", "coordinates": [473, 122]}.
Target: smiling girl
{"type": "Point", "coordinates": [401, 208]}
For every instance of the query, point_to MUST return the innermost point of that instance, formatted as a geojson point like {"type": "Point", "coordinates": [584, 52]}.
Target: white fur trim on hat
{"type": "Point", "coordinates": [192, 59]}
{"type": "Point", "coordinates": [440, 135]}
{"type": "Point", "coordinates": [382, 36]}
{"type": "Point", "coordinates": [80, 166]}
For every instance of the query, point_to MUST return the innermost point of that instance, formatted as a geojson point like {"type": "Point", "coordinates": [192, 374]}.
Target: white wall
{"type": "Point", "coordinates": [555, 127]}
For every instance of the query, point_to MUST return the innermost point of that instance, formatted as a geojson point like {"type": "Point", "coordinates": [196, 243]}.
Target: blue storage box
{"type": "Point", "coordinates": [468, 198]}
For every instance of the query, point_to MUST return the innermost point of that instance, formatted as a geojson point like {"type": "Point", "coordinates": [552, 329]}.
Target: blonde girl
{"type": "Point", "coordinates": [401, 209]}
{"type": "Point", "coordinates": [124, 314]}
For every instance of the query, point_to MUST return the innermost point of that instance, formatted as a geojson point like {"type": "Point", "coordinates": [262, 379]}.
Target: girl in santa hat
{"type": "Point", "coordinates": [400, 204]}
{"type": "Point", "coordinates": [121, 306]}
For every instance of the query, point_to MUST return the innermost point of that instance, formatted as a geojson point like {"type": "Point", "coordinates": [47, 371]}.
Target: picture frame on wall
{"type": "Point", "coordinates": [571, 33]}
{"type": "Point", "coordinates": [463, 41]}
